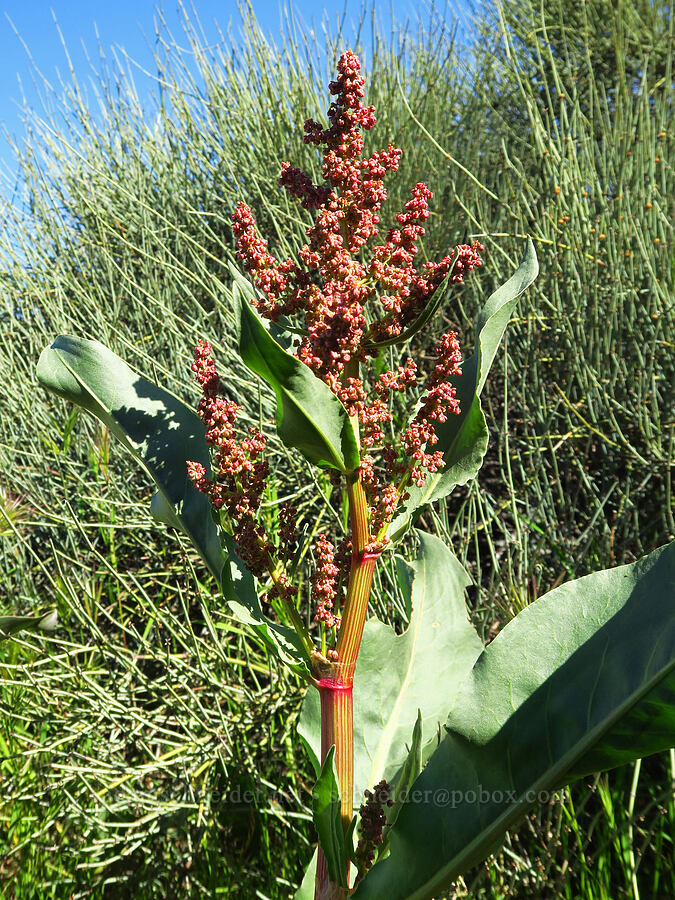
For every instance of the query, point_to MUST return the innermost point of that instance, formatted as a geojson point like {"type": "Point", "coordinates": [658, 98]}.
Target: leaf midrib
{"type": "Point", "coordinates": [499, 825]}
{"type": "Point", "coordinates": [386, 741]}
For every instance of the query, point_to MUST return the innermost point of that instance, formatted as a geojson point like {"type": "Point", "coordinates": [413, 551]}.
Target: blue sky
{"type": "Point", "coordinates": [37, 30]}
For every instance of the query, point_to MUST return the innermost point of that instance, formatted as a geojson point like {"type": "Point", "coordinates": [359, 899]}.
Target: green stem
{"type": "Point", "coordinates": [276, 572]}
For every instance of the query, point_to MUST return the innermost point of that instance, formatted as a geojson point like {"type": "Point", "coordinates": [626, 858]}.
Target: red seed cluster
{"type": "Point", "coordinates": [324, 582]}
{"type": "Point", "coordinates": [373, 820]}
{"type": "Point", "coordinates": [439, 401]}
{"type": "Point", "coordinates": [239, 471]}
{"type": "Point", "coordinates": [288, 531]}
{"type": "Point", "coordinates": [347, 304]}
{"type": "Point", "coordinates": [330, 287]}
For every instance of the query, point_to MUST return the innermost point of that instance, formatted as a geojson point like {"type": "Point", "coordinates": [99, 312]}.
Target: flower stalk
{"type": "Point", "coordinates": [342, 309]}
{"type": "Point", "coordinates": [337, 729]}
{"type": "Point", "coordinates": [360, 576]}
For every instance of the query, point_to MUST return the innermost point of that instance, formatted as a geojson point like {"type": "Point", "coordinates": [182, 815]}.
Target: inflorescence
{"type": "Point", "coordinates": [373, 820]}
{"type": "Point", "coordinates": [328, 287]}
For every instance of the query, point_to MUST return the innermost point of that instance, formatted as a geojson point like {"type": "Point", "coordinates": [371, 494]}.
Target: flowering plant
{"type": "Point", "coordinates": [440, 742]}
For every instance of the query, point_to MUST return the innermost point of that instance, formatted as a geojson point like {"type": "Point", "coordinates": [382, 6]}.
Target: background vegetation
{"type": "Point", "coordinates": [147, 748]}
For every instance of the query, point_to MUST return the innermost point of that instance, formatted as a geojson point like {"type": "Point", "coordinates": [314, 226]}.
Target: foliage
{"type": "Point", "coordinates": [513, 731]}
{"type": "Point", "coordinates": [134, 204]}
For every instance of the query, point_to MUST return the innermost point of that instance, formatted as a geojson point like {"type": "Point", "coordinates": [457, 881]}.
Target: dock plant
{"type": "Point", "coordinates": [427, 744]}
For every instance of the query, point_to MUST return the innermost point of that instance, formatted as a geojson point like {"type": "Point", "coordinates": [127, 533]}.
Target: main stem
{"type": "Point", "coordinates": [337, 728]}
{"type": "Point", "coordinates": [335, 686]}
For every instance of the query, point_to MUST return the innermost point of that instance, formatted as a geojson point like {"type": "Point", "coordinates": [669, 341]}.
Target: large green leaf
{"type": "Point", "coordinates": [162, 433]}
{"type": "Point", "coordinates": [156, 427]}
{"type": "Point", "coordinates": [309, 415]}
{"type": "Point", "coordinates": [399, 675]}
{"type": "Point", "coordinates": [463, 438]}
{"type": "Point", "coordinates": [581, 680]}
{"type": "Point", "coordinates": [327, 821]}
{"type": "Point", "coordinates": [10, 625]}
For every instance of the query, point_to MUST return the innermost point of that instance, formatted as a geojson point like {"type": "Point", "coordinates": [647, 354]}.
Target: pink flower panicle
{"type": "Point", "coordinates": [324, 582]}
{"type": "Point", "coordinates": [299, 185]}
{"type": "Point", "coordinates": [343, 559]}
{"type": "Point", "coordinates": [283, 588]}
{"type": "Point", "coordinates": [271, 276]}
{"type": "Point", "coordinates": [409, 291]}
{"type": "Point", "coordinates": [373, 820]}
{"type": "Point", "coordinates": [440, 401]}
{"type": "Point", "coordinates": [467, 260]}
{"type": "Point", "coordinates": [239, 471]}
{"type": "Point", "coordinates": [330, 287]}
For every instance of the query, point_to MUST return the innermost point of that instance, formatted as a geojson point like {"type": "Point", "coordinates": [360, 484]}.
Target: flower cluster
{"type": "Point", "coordinates": [439, 401]}
{"type": "Point", "coordinates": [239, 470]}
{"type": "Point", "coordinates": [373, 820]}
{"type": "Point", "coordinates": [288, 532]}
{"type": "Point", "coordinates": [324, 583]}
{"type": "Point", "coordinates": [348, 306]}
{"type": "Point", "coordinates": [330, 287]}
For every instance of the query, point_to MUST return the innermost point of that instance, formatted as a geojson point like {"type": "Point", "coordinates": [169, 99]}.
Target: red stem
{"type": "Point", "coordinates": [337, 728]}
{"type": "Point", "coordinates": [335, 686]}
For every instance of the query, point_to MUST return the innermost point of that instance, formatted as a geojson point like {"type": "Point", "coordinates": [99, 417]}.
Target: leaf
{"type": "Point", "coordinates": [402, 783]}
{"type": "Point", "coordinates": [463, 438]}
{"type": "Point", "coordinates": [309, 415]}
{"type": "Point", "coordinates": [159, 430]}
{"type": "Point", "coordinates": [327, 821]}
{"type": "Point", "coordinates": [161, 433]}
{"type": "Point", "coordinates": [9, 625]}
{"type": "Point", "coordinates": [408, 773]}
{"type": "Point", "coordinates": [306, 889]}
{"type": "Point", "coordinates": [581, 680]}
{"type": "Point", "coordinates": [399, 677]}
{"type": "Point", "coordinates": [349, 841]}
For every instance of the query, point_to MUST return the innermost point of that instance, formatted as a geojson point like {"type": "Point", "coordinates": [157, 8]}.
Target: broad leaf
{"type": "Point", "coordinates": [581, 680]}
{"type": "Point", "coordinates": [400, 676]}
{"type": "Point", "coordinates": [10, 625]}
{"type": "Point", "coordinates": [327, 821]}
{"type": "Point", "coordinates": [309, 415]}
{"type": "Point", "coordinates": [156, 427]}
{"type": "Point", "coordinates": [162, 433]}
{"type": "Point", "coordinates": [463, 438]}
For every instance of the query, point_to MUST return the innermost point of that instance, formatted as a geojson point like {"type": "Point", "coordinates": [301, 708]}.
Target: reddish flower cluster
{"type": "Point", "coordinates": [330, 286]}
{"type": "Point", "coordinates": [439, 401]}
{"type": "Point", "coordinates": [383, 500]}
{"type": "Point", "coordinates": [324, 582]}
{"type": "Point", "coordinates": [373, 820]}
{"type": "Point", "coordinates": [239, 472]}
{"type": "Point", "coordinates": [288, 532]}
{"type": "Point", "coordinates": [270, 276]}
